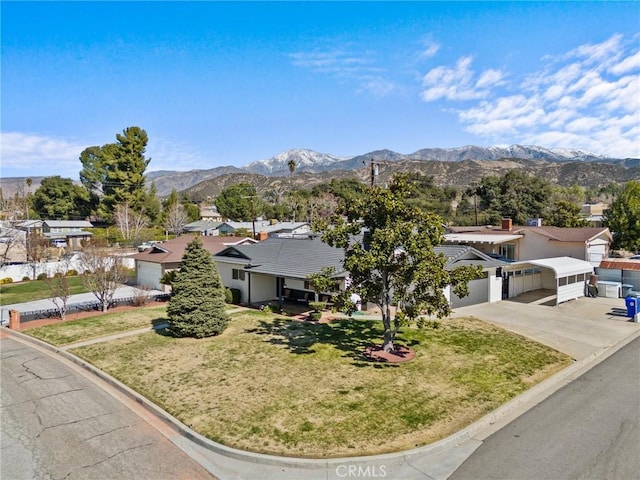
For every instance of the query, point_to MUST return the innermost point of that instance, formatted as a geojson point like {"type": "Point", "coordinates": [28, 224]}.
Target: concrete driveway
{"type": "Point", "coordinates": [578, 328]}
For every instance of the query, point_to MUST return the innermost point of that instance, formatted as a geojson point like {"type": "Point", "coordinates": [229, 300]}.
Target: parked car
{"type": "Point", "coordinates": [635, 257]}
{"type": "Point", "coordinates": [144, 246]}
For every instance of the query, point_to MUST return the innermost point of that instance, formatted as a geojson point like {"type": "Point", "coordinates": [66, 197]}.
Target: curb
{"type": "Point", "coordinates": [480, 429]}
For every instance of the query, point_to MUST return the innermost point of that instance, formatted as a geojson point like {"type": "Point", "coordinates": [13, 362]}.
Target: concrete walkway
{"type": "Point", "coordinates": [588, 329]}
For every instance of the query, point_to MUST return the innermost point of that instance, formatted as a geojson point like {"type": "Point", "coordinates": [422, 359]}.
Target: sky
{"type": "Point", "coordinates": [229, 83]}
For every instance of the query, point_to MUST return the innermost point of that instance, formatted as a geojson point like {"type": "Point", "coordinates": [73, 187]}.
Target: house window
{"type": "Point", "coordinates": [237, 274]}
{"type": "Point", "coordinates": [508, 250]}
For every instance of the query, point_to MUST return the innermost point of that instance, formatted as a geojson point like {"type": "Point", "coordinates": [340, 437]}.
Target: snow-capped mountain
{"type": "Point", "coordinates": [306, 160]}
{"type": "Point", "coordinates": [310, 161]}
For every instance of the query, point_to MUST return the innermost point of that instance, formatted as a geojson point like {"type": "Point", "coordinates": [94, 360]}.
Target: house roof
{"type": "Point", "coordinates": [558, 234]}
{"type": "Point", "coordinates": [492, 238]}
{"type": "Point", "coordinates": [201, 225]}
{"type": "Point", "coordinates": [561, 266]}
{"type": "Point", "coordinates": [172, 250]}
{"type": "Point", "coordinates": [460, 255]}
{"type": "Point", "coordinates": [298, 257]}
{"type": "Point", "coordinates": [621, 264]}
{"type": "Point", "coordinates": [267, 226]}
{"type": "Point", "coordinates": [68, 223]}
{"type": "Point", "coordinates": [292, 257]}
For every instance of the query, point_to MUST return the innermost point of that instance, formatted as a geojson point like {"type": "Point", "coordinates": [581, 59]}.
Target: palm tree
{"type": "Point", "coordinates": [292, 166]}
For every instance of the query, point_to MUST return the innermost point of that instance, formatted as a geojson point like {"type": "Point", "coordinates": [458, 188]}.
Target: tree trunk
{"type": "Point", "coordinates": [389, 334]}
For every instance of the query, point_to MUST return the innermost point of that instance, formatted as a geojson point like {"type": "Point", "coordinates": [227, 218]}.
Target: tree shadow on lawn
{"type": "Point", "coordinates": [349, 335]}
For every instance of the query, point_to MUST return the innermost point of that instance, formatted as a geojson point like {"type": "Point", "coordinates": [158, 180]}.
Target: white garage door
{"type": "Point", "coordinates": [149, 274]}
{"type": "Point", "coordinates": [478, 293]}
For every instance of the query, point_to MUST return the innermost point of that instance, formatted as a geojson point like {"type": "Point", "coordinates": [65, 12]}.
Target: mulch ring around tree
{"type": "Point", "coordinates": [399, 354]}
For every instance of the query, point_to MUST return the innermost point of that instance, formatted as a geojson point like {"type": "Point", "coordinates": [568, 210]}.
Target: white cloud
{"type": "Point", "coordinates": [35, 155]}
{"type": "Point", "coordinates": [459, 82]}
{"type": "Point", "coordinates": [588, 98]}
{"type": "Point", "coordinates": [26, 154]}
{"type": "Point", "coordinates": [429, 49]}
{"type": "Point", "coordinates": [357, 68]}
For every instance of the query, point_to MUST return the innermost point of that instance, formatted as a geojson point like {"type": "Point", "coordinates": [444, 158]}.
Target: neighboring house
{"type": "Point", "coordinates": [590, 244]}
{"type": "Point", "coordinates": [30, 226]}
{"type": "Point", "coordinates": [266, 228]}
{"type": "Point", "coordinates": [594, 213]}
{"type": "Point", "coordinates": [278, 267]}
{"type": "Point", "coordinates": [210, 213]}
{"type": "Point", "coordinates": [621, 270]}
{"type": "Point", "coordinates": [153, 263]}
{"type": "Point", "coordinates": [203, 227]}
{"type": "Point", "coordinates": [67, 233]}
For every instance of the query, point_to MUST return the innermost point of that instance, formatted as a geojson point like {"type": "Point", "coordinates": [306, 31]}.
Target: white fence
{"type": "Point", "coordinates": [18, 272]}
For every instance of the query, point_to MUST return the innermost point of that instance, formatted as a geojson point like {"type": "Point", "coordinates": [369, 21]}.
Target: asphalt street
{"type": "Point", "coordinates": [57, 424]}
{"type": "Point", "coordinates": [590, 429]}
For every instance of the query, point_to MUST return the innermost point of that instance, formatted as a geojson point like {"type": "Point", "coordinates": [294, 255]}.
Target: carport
{"type": "Point", "coordinates": [566, 276]}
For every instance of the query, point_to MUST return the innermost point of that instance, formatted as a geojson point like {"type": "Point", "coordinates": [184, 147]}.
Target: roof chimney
{"type": "Point", "coordinates": [262, 235]}
{"type": "Point", "coordinates": [507, 224]}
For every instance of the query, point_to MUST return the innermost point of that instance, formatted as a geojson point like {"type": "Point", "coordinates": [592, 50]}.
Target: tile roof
{"type": "Point", "coordinates": [172, 250]}
{"type": "Point", "coordinates": [620, 264]}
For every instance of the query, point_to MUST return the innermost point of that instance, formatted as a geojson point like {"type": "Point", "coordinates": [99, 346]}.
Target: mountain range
{"type": "Point", "coordinates": [448, 166]}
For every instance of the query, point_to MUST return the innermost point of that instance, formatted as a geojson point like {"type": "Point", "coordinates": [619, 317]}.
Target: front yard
{"type": "Point", "coordinates": [275, 385]}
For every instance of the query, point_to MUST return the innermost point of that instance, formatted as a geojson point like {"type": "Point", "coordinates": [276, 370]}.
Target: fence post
{"type": "Point", "coordinates": [14, 320]}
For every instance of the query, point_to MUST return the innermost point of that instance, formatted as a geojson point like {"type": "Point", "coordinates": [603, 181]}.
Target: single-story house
{"type": "Point", "coordinates": [153, 263]}
{"type": "Point", "coordinates": [266, 228]}
{"type": "Point", "coordinates": [67, 233]}
{"type": "Point", "coordinates": [533, 242]}
{"type": "Point", "coordinates": [279, 267]}
{"type": "Point", "coordinates": [203, 227]}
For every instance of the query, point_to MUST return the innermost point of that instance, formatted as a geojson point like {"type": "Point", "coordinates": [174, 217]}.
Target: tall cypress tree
{"type": "Point", "coordinates": [197, 304]}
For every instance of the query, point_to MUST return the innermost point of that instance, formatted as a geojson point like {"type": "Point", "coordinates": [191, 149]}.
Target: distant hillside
{"type": "Point", "coordinates": [449, 166]}
{"type": "Point", "coordinates": [460, 173]}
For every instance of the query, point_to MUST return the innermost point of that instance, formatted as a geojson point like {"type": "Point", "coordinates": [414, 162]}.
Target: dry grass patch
{"type": "Point", "coordinates": [72, 331]}
{"type": "Point", "coordinates": [275, 385]}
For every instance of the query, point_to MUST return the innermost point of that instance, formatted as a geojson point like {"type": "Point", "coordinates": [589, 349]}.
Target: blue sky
{"type": "Point", "coordinates": [228, 83]}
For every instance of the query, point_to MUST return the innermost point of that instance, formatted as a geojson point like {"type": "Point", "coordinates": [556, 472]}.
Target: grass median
{"type": "Point", "coordinates": [276, 385]}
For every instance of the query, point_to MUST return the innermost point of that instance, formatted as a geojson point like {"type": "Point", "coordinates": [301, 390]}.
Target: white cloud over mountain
{"type": "Point", "coordinates": [587, 98]}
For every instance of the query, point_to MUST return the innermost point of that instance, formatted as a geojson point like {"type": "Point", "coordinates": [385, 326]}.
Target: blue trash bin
{"type": "Point", "coordinates": [632, 306]}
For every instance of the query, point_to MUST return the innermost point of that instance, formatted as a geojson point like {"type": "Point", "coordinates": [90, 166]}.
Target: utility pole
{"type": "Point", "coordinates": [374, 172]}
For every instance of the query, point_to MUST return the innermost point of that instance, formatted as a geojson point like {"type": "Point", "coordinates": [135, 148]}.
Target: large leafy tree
{"type": "Point", "coordinates": [394, 261]}
{"type": "Point", "coordinates": [239, 202]}
{"type": "Point", "coordinates": [623, 217]}
{"type": "Point", "coordinates": [60, 198]}
{"type": "Point", "coordinates": [117, 170]}
{"type": "Point", "coordinates": [516, 195]}
{"type": "Point", "coordinates": [565, 214]}
{"type": "Point", "coordinates": [197, 304]}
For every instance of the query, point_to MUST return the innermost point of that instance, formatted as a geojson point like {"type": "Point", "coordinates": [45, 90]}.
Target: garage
{"type": "Point", "coordinates": [149, 274]}
{"type": "Point", "coordinates": [566, 276]}
{"type": "Point", "coordinates": [478, 293]}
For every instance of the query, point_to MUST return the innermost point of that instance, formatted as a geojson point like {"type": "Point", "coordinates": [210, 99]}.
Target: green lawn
{"type": "Point", "coordinates": [72, 331]}
{"type": "Point", "coordinates": [34, 290]}
{"type": "Point", "coordinates": [275, 385]}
